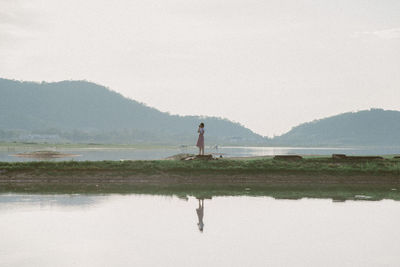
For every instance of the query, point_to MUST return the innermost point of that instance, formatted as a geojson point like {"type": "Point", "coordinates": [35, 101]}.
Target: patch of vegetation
{"type": "Point", "coordinates": [224, 166]}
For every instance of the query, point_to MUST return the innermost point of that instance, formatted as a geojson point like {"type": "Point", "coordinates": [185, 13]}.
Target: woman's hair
{"type": "Point", "coordinates": [201, 124]}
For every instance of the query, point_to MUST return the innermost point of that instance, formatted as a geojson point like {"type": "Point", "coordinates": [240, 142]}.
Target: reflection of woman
{"type": "Point", "coordinates": [200, 141]}
{"type": "Point", "coordinates": [200, 214]}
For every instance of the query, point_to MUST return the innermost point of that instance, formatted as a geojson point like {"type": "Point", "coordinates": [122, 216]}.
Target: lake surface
{"type": "Point", "coordinates": [147, 230]}
{"type": "Point", "coordinates": [160, 153]}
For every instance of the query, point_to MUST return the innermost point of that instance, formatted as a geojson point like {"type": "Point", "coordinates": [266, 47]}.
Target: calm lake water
{"type": "Point", "coordinates": [146, 230]}
{"type": "Point", "coordinates": [160, 153]}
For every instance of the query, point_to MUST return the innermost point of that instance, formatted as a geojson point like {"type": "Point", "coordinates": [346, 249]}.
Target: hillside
{"type": "Point", "coordinates": [84, 112]}
{"type": "Point", "coordinates": [80, 111]}
{"type": "Point", "coordinates": [375, 127]}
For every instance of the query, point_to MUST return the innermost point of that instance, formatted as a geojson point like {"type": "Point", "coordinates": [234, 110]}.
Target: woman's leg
{"type": "Point", "coordinates": [199, 150]}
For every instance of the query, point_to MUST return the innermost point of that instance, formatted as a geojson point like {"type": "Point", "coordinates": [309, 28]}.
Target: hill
{"type": "Point", "coordinates": [80, 111]}
{"type": "Point", "coordinates": [375, 127]}
{"type": "Point", "coordinates": [85, 112]}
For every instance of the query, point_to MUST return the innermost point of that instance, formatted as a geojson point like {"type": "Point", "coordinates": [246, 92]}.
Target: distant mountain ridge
{"type": "Point", "coordinates": [80, 111]}
{"type": "Point", "coordinates": [374, 127]}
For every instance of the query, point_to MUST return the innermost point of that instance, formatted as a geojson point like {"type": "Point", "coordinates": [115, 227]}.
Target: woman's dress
{"type": "Point", "coordinates": [200, 141]}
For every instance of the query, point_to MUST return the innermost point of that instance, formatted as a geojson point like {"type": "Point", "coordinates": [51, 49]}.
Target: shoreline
{"type": "Point", "coordinates": [313, 177]}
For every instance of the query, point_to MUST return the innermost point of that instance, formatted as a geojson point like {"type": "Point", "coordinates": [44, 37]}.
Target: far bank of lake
{"type": "Point", "coordinates": [98, 152]}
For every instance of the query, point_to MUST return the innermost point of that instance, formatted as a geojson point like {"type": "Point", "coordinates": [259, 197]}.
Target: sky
{"type": "Point", "coordinates": [268, 64]}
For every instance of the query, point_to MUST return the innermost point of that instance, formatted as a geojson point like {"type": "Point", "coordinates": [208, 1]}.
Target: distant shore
{"type": "Point", "coordinates": [311, 177]}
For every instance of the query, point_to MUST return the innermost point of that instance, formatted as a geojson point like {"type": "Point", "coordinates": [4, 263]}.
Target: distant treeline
{"type": "Point", "coordinates": [130, 136]}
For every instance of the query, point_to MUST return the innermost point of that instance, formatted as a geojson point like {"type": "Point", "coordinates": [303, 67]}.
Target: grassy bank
{"type": "Point", "coordinates": [310, 177]}
{"type": "Point", "coordinates": [311, 166]}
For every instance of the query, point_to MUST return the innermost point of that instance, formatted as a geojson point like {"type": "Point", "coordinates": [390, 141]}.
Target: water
{"type": "Point", "coordinates": [160, 153]}
{"type": "Point", "coordinates": [146, 230]}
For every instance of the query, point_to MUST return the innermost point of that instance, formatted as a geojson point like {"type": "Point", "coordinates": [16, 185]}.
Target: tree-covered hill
{"type": "Point", "coordinates": [375, 127]}
{"type": "Point", "coordinates": [80, 111]}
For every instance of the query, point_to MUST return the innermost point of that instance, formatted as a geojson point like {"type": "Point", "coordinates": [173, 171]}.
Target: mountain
{"type": "Point", "coordinates": [80, 111]}
{"type": "Point", "coordinates": [375, 127]}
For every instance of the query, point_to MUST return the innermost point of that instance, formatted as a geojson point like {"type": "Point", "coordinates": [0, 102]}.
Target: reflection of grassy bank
{"type": "Point", "coordinates": [312, 177]}
{"type": "Point", "coordinates": [335, 192]}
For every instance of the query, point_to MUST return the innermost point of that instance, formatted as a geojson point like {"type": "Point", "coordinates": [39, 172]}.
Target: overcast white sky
{"type": "Point", "coordinates": [269, 65]}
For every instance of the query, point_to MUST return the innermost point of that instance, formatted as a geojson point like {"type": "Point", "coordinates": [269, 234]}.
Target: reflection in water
{"type": "Point", "coordinates": [125, 230]}
{"type": "Point", "coordinates": [200, 214]}
{"type": "Point", "coordinates": [67, 200]}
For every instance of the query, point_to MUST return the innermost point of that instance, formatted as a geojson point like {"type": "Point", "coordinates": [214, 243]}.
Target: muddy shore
{"type": "Point", "coordinates": [306, 178]}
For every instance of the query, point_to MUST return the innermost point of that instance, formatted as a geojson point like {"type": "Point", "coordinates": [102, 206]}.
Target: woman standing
{"type": "Point", "coordinates": [200, 141]}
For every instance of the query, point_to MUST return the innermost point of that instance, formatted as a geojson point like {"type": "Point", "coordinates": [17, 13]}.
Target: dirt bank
{"type": "Point", "coordinates": [317, 177]}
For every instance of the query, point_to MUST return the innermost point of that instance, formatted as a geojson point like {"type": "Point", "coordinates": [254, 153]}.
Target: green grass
{"type": "Point", "coordinates": [225, 166]}
{"type": "Point", "coordinates": [318, 178]}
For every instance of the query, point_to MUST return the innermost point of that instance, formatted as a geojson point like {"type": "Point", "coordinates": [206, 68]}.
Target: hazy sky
{"type": "Point", "coordinates": [269, 65]}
